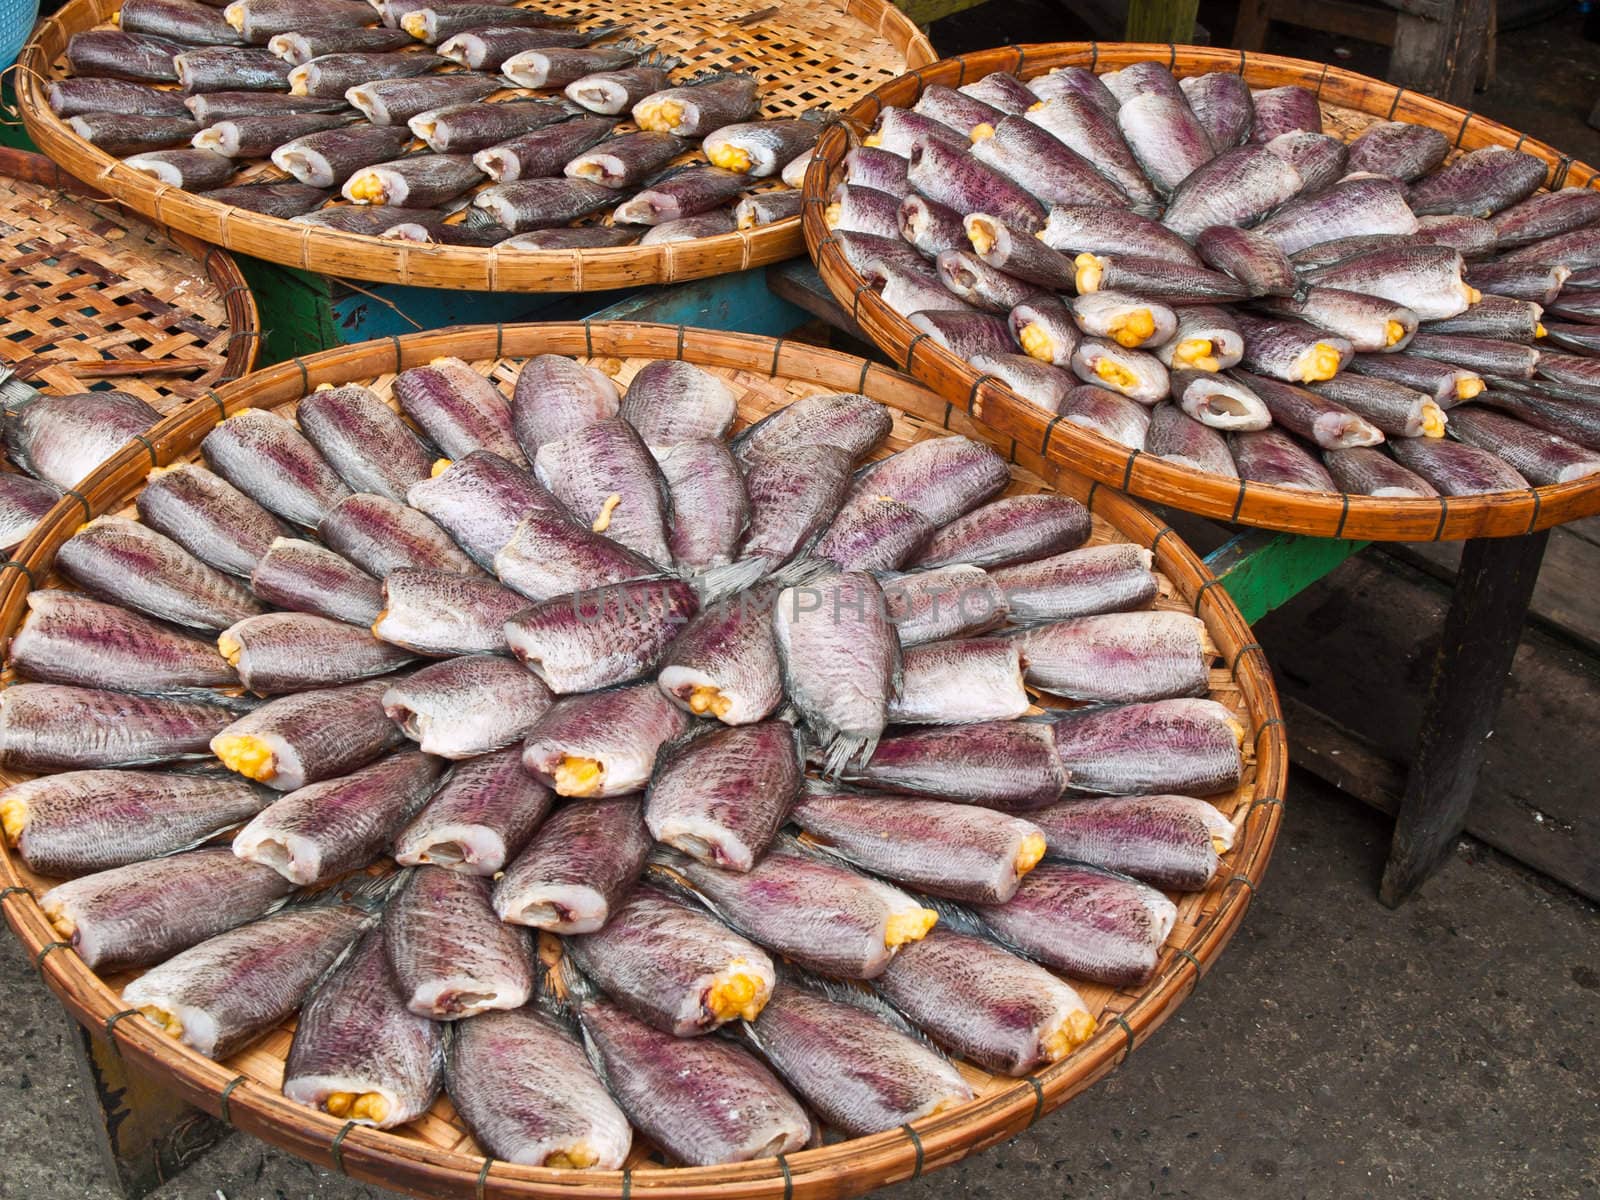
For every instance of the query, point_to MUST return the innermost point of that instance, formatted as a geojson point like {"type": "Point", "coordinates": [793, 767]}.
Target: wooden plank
{"type": "Point", "coordinates": [1250, 29]}
{"type": "Point", "coordinates": [1261, 570]}
{"type": "Point", "coordinates": [1161, 20]}
{"type": "Point", "coordinates": [799, 282]}
{"type": "Point", "coordinates": [1340, 17]}
{"type": "Point", "coordinates": [1440, 50]}
{"type": "Point", "coordinates": [735, 302]}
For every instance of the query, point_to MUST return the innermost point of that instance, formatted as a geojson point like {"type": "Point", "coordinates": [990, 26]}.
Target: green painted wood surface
{"type": "Point", "coordinates": [1262, 570]}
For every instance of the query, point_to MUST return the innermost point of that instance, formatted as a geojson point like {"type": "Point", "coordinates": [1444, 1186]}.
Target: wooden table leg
{"type": "Point", "coordinates": [1481, 632]}
{"type": "Point", "coordinates": [145, 1133]}
{"type": "Point", "coordinates": [1439, 48]}
{"type": "Point", "coordinates": [1161, 20]}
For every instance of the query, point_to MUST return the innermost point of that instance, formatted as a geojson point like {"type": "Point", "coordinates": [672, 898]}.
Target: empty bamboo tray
{"type": "Point", "coordinates": [435, 1156]}
{"type": "Point", "coordinates": [808, 55]}
{"type": "Point", "coordinates": [1350, 103]}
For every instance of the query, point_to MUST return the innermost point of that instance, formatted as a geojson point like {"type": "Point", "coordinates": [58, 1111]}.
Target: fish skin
{"type": "Point", "coordinates": [525, 1089]}
{"type": "Point", "coordinates": [443, 613]}
{"type": "Point", "coordinates": [230, 68]}
{"type": "Point", "coordinates": [943, 478]}
{"type": "Point", "coordinates": [1078, 583]}
{"type": "Point", "coordinates": [1039, 383]}
{"type": "Point", "coordinates": [486, 47]}
{"type": "Point", "coordinates": [355, 1035]}
{"type": "Point", "coordinates": [1540, 457]}
{"type": "Point", "coordinates": [301, 46]}
{"type": "Point", "coordinates": [959, 111]}
{"type": "Point", "coordinates": [134, 915]}
{"type": "Point", "coordinates": [119, 134]}
{"type": "Point", "coordinates": [312, 736]}
{"type": "Point", "coordinates": [478, 125]}
{"type": "Point", "coordinates": [1090, 923]}
{"type": "Point", "coordinates": [862, 1073]}
{"type": "Point", "coordinates": [898, 128]}
{"type": "Point", "coordinates": [143, 570]}
{"type": "Point", "coordinates": [261, 20]}
{"type": "Point", "coordinates": [459, 409]}
{"type": "Point", "coordinates": [870, 533]}
{"type": "Point", "coordinates": [83, 94]}
{"type": "Point", "coordinates": [768, 144]}
{"type": "Point", "coordinates": [610, 93]}
{"type": "Point", "coordinates": [1544, 216]}
{"type": "Point", "coordinates": [1219, 400]}
{"type": "Point", "coordinates": [382, 535]}
{"type": "Point", "coordinates": [479, 500]}
{"type": "Point", "coordinates": [926, 225]}
{"type": "Point", "coordinates": [380, 220]}
{"type": "Point", "coordinates": [304, 577]}
{"type": "Point", "coordinates": [1088, 129]}
{"type": "Point", "coordinates": [622, 729]}
{"type": "Point", "coordinates": [1169, 842]}
{"type": "Point", "coordinates": [1236, 187]}
{"type": "Point", "coordinates": [1223, 103]}
{"type": "Point", "coordinates": [1440, 382]}
{"type": "Point", "coordinates": [792, 496]}
{"type": "Point", "coordinates": [1426, 279]}
{"type": "Point", "coordinates": [959, 851]}
{"type": "Point", "coordinates": [914, 293]}
{"type": "Point", "coordinates": [257, 137]}
{"type": "Point", "coordinates": [804, 906]}
{"type": "Point", "coordinates": [1582, 306]}
{"type": "Point", "coordinates": [119, 55]}
{"type": "Point", "coordinates": [1085, 228]}
{"type": "Point", "coordinates": [1024, 259]}
{"type": "Point", "coordinates": [82, 821]}
{"type": "Point", "coordinates": [1047, 323]}
{"type": "Point", "coordinates": [1188, 746]}
{"type": "Point", "coordinates": [1521, 279]}
{"type": "Point", "coordinates": [1212, 332]}
{"type": "Point", "coordinates": [467, 706]}
{"type": "Point", "coordinates": [531, 204]}
{"type": "Point", "coordinates": [210, 107]}
{"type": "Point", "coordinates": [841, 663]}
{"type": "Point", "coordinates": [953, 682]}
{"type": "Point", "coordinates": [725, 661]}
{"type": "Point", "coordinates": [557, 66]}
{"type": "Point", "coordinates": [539, 152]}
{"type": "Point", "coordinates": [1368, 323]}
{"type": "Point", "coordinates": [396, 101]}
{"type": "Point", "coordinates": [706, 104]}
{"type": "Point", "coordinates": [1473, 236]}
{"type": "Point", "coordinates": [52, 727]}
{"type": "Point", "coordinates": [993, 1007]}
{"type": "Point", "coordinates": [1009, 765]}
{"type": "Point", "coordinates": [1575, 420]}
{"type": "Point", "coordinates": [603, 459]}
{"type": "Point", "coordinates": [1363, 471]}
{"type": "Point", "coordinates": [722, 796]}
{"type": "Point", "coordinates": [1010, 530]}
{"type": "Point", "coordinates": [1166, 138]}
{"type": "Point", "coordinates": [325, 829]}
{"type": "Point", "coordinates": [1132, 373]}
{"type": "Point", "coordinates": [709, 508]}
{"type": "Point", "coordinates": [232, 988]}
{"type": "Point", "coordinates": [24, 500]}
{"type": "Point", "coordinates": [600, 636]}
{"type": "Point", "coordinates": [856, 208]}
{"type": "Point", "coordinates": [1050, 171]}
{"type": "Point", "coordinates": [556, 396]}
{"type": "Point", "coordinates": [684, 192]}
{"type": "Point", "coordinates": [327, 159]}
{"type": "Point", "coordinates": [65, 637]}
{"type": "Point", "coordinates": [687, 229]}
{"type": "Point", "coordinates": [269, 460]}
{"type": "Point", "coordinates": [1352, 207]}
{"type": "Point", "coordinates": [60, 439]}
{"type": "Point", "coordinates": [945, 602]}
{"type": "Point", "coordinates": [1487, 356]}
{"type": "Point", "coordinates": [1479, 184]}
{"type": "Point", "coordinates": [551, 555]}
{"type": "Point", "coordinates": [1398, 149]}
{"type": "Point", "coordinates": [1076, 80]}
{"type": "Point", "coordinates": [1288, 351]}
{"type": "Point", "coordinates": [965, 333]}
{"type": "Point", "coordinates": [1141, 79]}
{"type": "Point", "coordinates": [1312, 415]}
{"type": "Point", "coordinates": [280, 198]}
{"type": "Point", "coordinates": [869, 166]}
{"type": "Point", "coordinates": [669, 402]}
{"type": "Point", "coordinates": [1255, 261]}
{"type": "Point", "coordinates": [451, 956]}
{"type": "Point", "coordinates": [280, 652]}
{"type": "Point", "coordinates": [664, 962]}
{"type": "Point", "coordinates": [1179, 438]}
{"type": "Point", "coordinates": [1155, 279]}
{"type": "Point", "coordinates": [1272, 457]}
{"type": "Point", "coordinates": [704, 1101]}
{"type": "Point", "coordinates": [1118, 657]}
{"type": "Point", "coordinates": [1457, 469]}
{"type": "Point", "coordinates": [576, 870]}
{"type": "Point", "coordinates": [364, 440]}
{"type": "Point", "coordinates": [625, 159]}
{"type": "Point", "coordinates": [480, 819]}
{"type": "Point", "coordinates": [959, 181]}
{"type": "Point", "coordinates": [1493, 316]}
{"type": "Point", "coordinates": [439, 20]}
{"type": "Point", "coordinates": [847, 421]}
{"type": "Point", "coordinates": [1398, 410]}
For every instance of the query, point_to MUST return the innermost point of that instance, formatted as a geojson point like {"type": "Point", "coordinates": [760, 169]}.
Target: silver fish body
{"type": "Point", "coordinates": [1118, 657]}
{"type": "Point", "coordinates": [310, 736]}
{"type": "Point", "coordinates": [1364, 471]}
{"type": "Point", "coordinates": [761, 148]}
{"type": "Point", "coordinates": [1237, 187]}
{"type": "Point", "coordinates": [1363, 205]}
{"type": "Point", "coordinates": [1538, 456]}
{"type": "Point", "coordinates": [1166, 137]}
{"type": "Point", "coordinates": [325, 829]}
{"type": "Point", "coordinates": [612, 92]}
{"type": "Point", "coordinates": [1039, 383]}
{"type": "Point", "coordinates": [1222, 102]}
{"type": "Point", "coordinates": [269, 460]}
{"type": "Point", "coordinates": [848, 421]}
{"type": "Point", "coordinates": [478, 125]}
{"type": "Point", "coordinates": [23, 501]}
{"type": "Point", "coordinates": [480, 819]}
{"type": "Point", "coordinates": [1480, 183]}
{"type": "Point", "coordinates": [328, 158]}
{"type": "Point", "coordinates": [1084, 126]}
{"type": "Point", "coordinates": [452, 957]}
{"type": "Point", "coordinates": [608, 459]}
{"type": "Point", "coordinates": [60, 439]}
{"type": "Point", "coordinates": [1188, 746]}
{"type": "Point", "coordinates": [1370, 324]}
{"type": "Point", "coordinates": [1169, 842]}
{"type": "Point", "coordinates": [1049, 170]}
{"type": "Point", "coordinates": [1010, 765]}
{"type": "Point", "coordinates": [281, 652]}
{"type": "Point", "coordinates": [945, 602]}
{"type": "Point", "coordinates": [443, 613]}
{"type": "Point", "coordinates": [1272, 457]}
{"type": "Point", "coordinates": [1457, 469]}
{"type": "Point", "coordinates": [943, 478]}
{"type": "Point", "coordinates": [625, 159]}
{"type": "Point", "coordinates": [133, 56]}
{"type": "Point", "coordinates": [479, 501]}
{"type": "Point", "coordinates": [1426, 279]}
{"type": "Point", "coordinates": [358, 1053]}
{"type": "Point", "coordinates": [459, 409]}
{"type": "Point", "coordinates": [721, 797]}
{"type": "Point", "coordinates": [1079, 583]}
{"type": "Point", "coordinates": [1207, 339]}
{"type": "Point", "coordinates": [556, 396]}
{"type": "Point", "coordinates": [396, 101]}
{"type": "Point", "coordinates": [47, 726]}
{"type": "Point", "coordinates": [709, 508]}
{"type": "Point", "coordinates": [381, 535]}
{"type": "Point", "coordinates": [600, 636]}
{"type": "Point", "coordinates": [686, 191]}
{"type": "Point", "coordinates": [364, 440]}
{"type": "Point", "coordinates": [1398, 149]}
{"type": "Point", "coordinates": [540, 152]}
{"type": "Point", "coordinates": [524, 205]}
{"type": "Point", "coordinates": [1312, 415]}
{"type": "Point", "coordinates": [134, 915]}
{"type": "Point", "coordinates": [669, 402]}
{"type": "Point", "coordinates": [602, 743]}
{"type": "Point", "coordinates": [94, 94]}
{"type": "Point", "coordinates": [577, 868]}
{"type": "Point", "coordinates": [464, 707]}
{"type": "Point", "coordinates": [724, 663]}
{"type": "Point", "coordinates": [949, 683]}
{"type": "Point", "coordinates": [1255, 261]}
{"type": "Point", "coordinates": [551, 555]}
{"type": "Point", "coordinates": [305, 577]}
{"type": "Point", "coordinates": [1135, 374]}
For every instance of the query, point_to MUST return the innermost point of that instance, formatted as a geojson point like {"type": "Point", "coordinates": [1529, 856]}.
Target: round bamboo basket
{"type": "Point", "coordinates": [829, 53]}
{"type": "Point", "coordinates": [1350, 103]}
{"type": "Point", "coordinates": [92, 293]}
{"type": "Point", "coordinates": [435, 1156]}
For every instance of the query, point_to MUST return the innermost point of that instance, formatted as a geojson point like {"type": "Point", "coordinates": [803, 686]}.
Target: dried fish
{"type": "Point", "coordinates": [578, 867]}
{"type": "Point", "coordinates": [468, 706]}
{"type": "Point", "coordinates": [481, 818]}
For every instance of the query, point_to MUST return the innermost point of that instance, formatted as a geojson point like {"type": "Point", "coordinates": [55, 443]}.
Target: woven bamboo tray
{"type": "Point", "coordinates": [435, 1156]}
{"type": "Point", "coordinates": [1350, 103]}
{"type": "Point", "coordinates": [830, 52]}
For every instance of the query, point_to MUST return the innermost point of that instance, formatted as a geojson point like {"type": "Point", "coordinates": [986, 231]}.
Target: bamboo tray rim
{"type": "Point", "coordinates": [380, 260]}
{"type": "Point", "coordinates": [1267, 506]}
{"type": "Point", "coordinates": [238, 301]}
{"type": "Point", "coordinates": [832, 1170]}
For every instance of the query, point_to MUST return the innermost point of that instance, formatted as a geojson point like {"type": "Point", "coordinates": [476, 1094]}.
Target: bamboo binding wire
{"type": "Point", "coordinates": [87, 286]}
{"type": "Point", "coordinates": [1350, 103]}
{"type": "Point", "coordinates": [808, 54]}
{"type": "Point", "coordinates": [435, 1156]}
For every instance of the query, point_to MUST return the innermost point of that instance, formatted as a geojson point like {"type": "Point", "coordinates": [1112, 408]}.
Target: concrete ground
{"type": "Point", "coordinates": [1337, 1050]}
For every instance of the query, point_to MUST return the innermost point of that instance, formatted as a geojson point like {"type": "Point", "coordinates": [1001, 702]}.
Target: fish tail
{"type": "Point", "coordinates": [729, 579]}
{"type": "Point", "coordinates": [840, 751]}
{"type": "Point", "coordinates": [660, 61]}
{"type": "Point", "coordinates": [804, 570]}
{"type": "Point", "coordinates": [600, 32]}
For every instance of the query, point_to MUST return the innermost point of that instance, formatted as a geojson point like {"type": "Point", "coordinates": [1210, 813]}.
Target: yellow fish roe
{"type": "Point", "coordinates": [1394, 332]}
{"type": "Point", "coordinates": [1115, 374]}
{"type": "Point", "coordinates": [729, 157]}
{"type": "Point", "coordinates": [1077, 1029]}
{"type": "Point", "coordinates": [705, 699]}
{"type": "Point", "coordinates": [1030, 852]}
{"type": "Point", "coordinates": [1321, 363]}
{"type": "Point", "coordinates": [660, 115]}
{"type": "Point", "coordinates": [1037, 342]}
{"type": "Point", "coordinates": [577, 776]}
{"type": "Point", "coordinates": [13, 818]}
{"type": "Point", "coordinates": [910, 926]}
{"type": "Point", "coordinates": [246, 754]}
{"type": "Point", "coordinates": [1468, 388]}
{"type": "Point", "coordinates": [1197, 353]}
{"type": "Point", "coordinates": [1133, 328]}
{"type": "Point", "coordinates": [1433, 420]}
{"type": "Point", "coordinates": [577, 1157]}
{"type": "Point", "coordinates": [736, 993]}
{"type": "Point", "coordinates": [1089, 272]}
